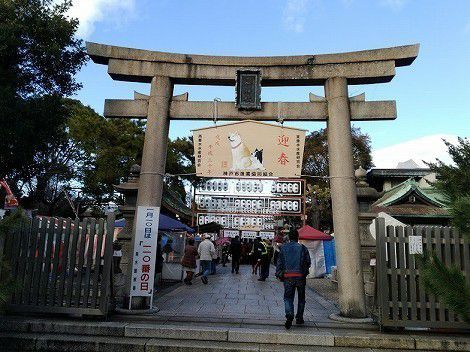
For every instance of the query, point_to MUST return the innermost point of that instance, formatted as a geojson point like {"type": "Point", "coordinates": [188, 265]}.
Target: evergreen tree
{"type": "Point", "coordinates": [39, 57]}
{"type": "Point", "coordinates": [448, 282]}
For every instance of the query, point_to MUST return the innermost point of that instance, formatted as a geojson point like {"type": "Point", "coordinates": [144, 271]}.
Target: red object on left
{"type": "Point", "coordinates": [10, 200]}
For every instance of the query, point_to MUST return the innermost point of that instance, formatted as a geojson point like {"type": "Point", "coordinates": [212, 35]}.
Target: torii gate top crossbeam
{"type": "Point", "coordinates": [359, 67]}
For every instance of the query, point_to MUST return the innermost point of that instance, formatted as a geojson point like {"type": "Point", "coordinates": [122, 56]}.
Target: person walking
{"type": "Point", "coordinates": [245, 252]}
{"type": "Point", "coordinates": [276, 248]}
{"type": "Point", "coordinates": [265, 259]}
{"type": "Point", "coordinates": [235, 249]}
{"type": "Point", "coordinates": [159, 263]}
{"type": "Point", "coordinates": [189, 261]}
{"type": "Point", "coordinates": [225, 254]}
{"type": "Point", "coordinates": [256, 251]}
{"type": "Point", "coordinates": [206, 251]}
{"type": "Point", "coordinates": [292, 268]}
{"type": "Point", "coordinates": [215, 257]}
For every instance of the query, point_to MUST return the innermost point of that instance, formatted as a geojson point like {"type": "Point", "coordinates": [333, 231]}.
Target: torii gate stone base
{"type": "Point", "coordinates": [333, 71]}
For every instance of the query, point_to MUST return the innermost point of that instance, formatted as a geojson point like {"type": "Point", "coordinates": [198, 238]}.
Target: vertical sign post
{"type": "Point", "coordinates": [145, 253]}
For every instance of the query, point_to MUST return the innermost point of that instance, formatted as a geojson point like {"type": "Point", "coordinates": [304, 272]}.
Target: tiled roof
{"type": "Point", "coordinates": [430, 202]}
{"type": "Point", "coordinates": [402, 190]}
{"type": "Point", "coordinates": [381, 173]}
{"type": "Point", "coordinates": [412, 210]}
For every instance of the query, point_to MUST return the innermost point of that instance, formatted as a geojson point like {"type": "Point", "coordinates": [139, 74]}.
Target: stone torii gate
{"type": "Point", "coordinates": [333, 71]}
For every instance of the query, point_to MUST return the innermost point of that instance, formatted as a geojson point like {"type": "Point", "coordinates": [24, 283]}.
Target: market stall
{"type": "Point", "coordinates": [321, 248]}
{"type": "Point", "coordinates": [172, 237]}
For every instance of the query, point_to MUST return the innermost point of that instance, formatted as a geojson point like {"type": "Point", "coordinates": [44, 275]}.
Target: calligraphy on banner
{"type": "Point", "coordinates": [249, 149]}
{"type": "Point", "coordinates": [145, 251]}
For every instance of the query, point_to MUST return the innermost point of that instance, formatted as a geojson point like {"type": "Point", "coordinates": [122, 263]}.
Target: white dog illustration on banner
{"type": "Point", "coordinates": [242, 158]}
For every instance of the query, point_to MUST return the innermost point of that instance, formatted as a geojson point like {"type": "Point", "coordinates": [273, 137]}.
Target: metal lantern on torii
{"type": "Point", "coordinates": [333, 71]}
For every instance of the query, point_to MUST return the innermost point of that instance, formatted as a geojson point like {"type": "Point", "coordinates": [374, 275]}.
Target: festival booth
{"type": "Point", "coordinates": [321, 248]}
{"type": "Point", "coordinates": [173, 239]}
{"type": "Point", "coordinates": [119, 225]}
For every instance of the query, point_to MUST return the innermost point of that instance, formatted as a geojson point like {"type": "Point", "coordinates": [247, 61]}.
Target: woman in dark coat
{"type": "Point", "coordinates": [189, 261]}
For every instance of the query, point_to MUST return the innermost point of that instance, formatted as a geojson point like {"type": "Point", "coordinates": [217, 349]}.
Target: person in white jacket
{"type": "Point", "coordinates": [206, 251]}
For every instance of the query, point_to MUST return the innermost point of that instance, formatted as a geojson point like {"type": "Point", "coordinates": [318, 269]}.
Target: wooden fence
{"type": "Point", "coordinates": [402, 300]}
{"type": "Point", "coordinates": [61, 265]}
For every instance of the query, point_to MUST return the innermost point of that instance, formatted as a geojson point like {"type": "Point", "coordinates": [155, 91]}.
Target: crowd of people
{"type": "Point", "coordinates": [258, 254]}
{"type": "Point", "coordinates": [291, 259]}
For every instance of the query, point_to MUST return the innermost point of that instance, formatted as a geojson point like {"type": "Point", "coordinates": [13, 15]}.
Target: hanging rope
{"type": "Point", "coordinates": [166, 174]}
{"type": "Point", "coordinates": [327, 177]}
{"type": "Point", "coordinates": [280, 118]}
{"type": "Point", "coordinates": [215, 112]}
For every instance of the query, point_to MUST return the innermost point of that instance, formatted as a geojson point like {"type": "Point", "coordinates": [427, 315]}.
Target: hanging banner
{"type": "Point", "coordinates": [237, 221]}
{"type": "Point", "coordinates": [145, 251]}
{"type": "Point", "coordinates": [257, 187]}
{"type": "Point", "coordinates": [249, 149]}
{"type": "Point", "coordinates": [244, 205]}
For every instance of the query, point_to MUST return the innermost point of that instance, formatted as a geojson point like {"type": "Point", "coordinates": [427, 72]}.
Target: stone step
{"type": "Point", "coordinates": [76, 343]}
{"type": "Point", "coordinates": [13, 342]}
{"type": "Point", "coordinates": [37, 334]}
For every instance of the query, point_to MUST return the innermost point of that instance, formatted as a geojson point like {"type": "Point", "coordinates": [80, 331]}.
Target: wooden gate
{"type": "Point", "coordinates": [402, 299]}
{"type": "Point", "coordinates": [61, 265]}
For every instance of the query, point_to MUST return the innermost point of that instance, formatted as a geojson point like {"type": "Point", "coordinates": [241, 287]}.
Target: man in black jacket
{"type": "Point", "coordinates": [235, 249]}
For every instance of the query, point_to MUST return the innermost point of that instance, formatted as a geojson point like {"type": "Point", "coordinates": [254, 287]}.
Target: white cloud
{"type": "Point", "coordinates": [89, 12]}
{"type": "Point", "coordinates": [425, 148]}
{"type": "Point", "coordinates": [294, 15]}
{"type": "Point", "coordinates": [394, 4]}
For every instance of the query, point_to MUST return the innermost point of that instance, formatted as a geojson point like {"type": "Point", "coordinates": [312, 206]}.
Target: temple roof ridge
{"type": "Point", "coordinates": [404, 189]}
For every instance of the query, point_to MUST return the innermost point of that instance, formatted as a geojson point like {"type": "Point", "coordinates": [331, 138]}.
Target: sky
{"type": "Point", "coordinates": [433, 97]}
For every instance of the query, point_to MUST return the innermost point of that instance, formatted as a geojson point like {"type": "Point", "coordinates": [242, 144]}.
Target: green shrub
{"type": "Point", "coordinates": [446, 282]}
{"type": "Point", "coordinates": [8, 226]}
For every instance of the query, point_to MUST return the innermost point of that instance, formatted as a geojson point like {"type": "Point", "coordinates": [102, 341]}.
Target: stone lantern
{"type": "Point", "coordinates": [129, 191]}
{"type": "Point", "coordinates": [366, 196]}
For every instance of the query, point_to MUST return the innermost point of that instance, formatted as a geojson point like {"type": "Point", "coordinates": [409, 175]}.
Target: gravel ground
{"type": "Point", "coordinates": [325, 288]}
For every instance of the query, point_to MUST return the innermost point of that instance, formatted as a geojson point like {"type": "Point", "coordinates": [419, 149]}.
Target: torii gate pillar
{"type": "Point", "coordinates": [153, 156]}
{"type": "Point", "coordinates": [343, 198]}
{"type": "Point", "coordinates": [155, 143]}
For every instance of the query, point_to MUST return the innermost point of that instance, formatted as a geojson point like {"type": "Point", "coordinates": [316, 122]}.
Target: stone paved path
{"type": "Point", "coordinates": [237, 296]}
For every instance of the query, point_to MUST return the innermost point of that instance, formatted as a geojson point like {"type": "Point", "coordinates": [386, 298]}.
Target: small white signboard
{"type": "Point", "coordinates": [266, 235]}
{"type": "Point", "coordinates": [145, 252]}
{"type": "Point", "coordinates": [249, 234]}
{"type": "Point", "coordinates": [415, 244]}
{"type": "Point", "coordinates": [231, 233]}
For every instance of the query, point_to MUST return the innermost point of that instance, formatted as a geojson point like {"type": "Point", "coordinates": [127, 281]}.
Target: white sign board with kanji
{"type": "Point", "coordinates": [266, 235]}
{"type": "Point", "coordinates": [415, 244]}
{"type": "Point", "coordinates": [145, 252]}
{"type": "Point", "coordinates": [249, 234]}
{"type": "Point", "coordinates": [249, 149]}
{"type": "Point", "coordinates": [231, 233]}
